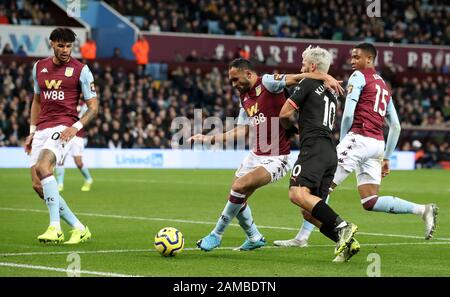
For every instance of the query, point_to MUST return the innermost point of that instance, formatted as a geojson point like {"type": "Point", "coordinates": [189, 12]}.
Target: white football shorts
{"type": "Point", "coordinates": [49, 139]}
{"type": "Point", "coordinates": [77, 147]}
{"type": "Point", "coordinates": [277, 166]}
{"type": "Point", "coordinates": [361, 154]}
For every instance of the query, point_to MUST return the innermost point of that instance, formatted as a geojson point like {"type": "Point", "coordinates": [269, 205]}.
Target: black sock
{"type": "Point", "coordinates": [331, 233]}
{"type": "Point", "coordinates": [322, 212]}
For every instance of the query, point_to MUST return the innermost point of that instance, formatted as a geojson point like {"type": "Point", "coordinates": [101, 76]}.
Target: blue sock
{"type": "Point", "coordinates": [67, 215]}
{"type": "Point", "coordinates": [393, 204]}
{"type": "Point", "coordinates": [245, 219]}
{"type": "Point", "coordinates": [86, 174]}
{"type": "Point", "coordinates": [307, 228]}
{"type": "Point", "coordinates": [51, 198]}
{"type": "Point", "coordinates": [59, 172]}
{"type": "Point", "coordinates": [229, 212]}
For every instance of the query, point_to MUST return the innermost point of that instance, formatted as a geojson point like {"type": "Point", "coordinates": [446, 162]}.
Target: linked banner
{"type": "Point", "coordinates": [168, 158]}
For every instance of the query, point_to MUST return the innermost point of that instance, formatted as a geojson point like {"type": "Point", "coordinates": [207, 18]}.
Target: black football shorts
{"type": "Point", "coordinates": [315, 166]}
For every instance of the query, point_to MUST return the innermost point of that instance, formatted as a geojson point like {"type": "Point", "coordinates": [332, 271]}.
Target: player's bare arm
{"type": "Point", "coordinates": [330, 82]}
{"type": "Point", "coordinates": [385, 170]}
{"type": "Point", "coordinates": [90, 114]}
{"type": "Point", "coordinates": [287, 111]}
{"type": "Point", "coordinates": [236, 133]}
{"type": "Point", "coordinates": [35, 110]}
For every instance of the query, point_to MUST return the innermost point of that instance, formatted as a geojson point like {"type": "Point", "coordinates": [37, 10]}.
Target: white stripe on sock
{"type": "Point", "coordinates": [419, 209]}
{"type": "Point", "coordinates": [47, 180]}
{"type": "Point", "coordinates": [78, 225]}
{"type": "Point", "coordinates": [56, 224]}
{"type": "Point", "coordinates": [236, 194]}
{"type": "Point", "coordinates": [364, 200]}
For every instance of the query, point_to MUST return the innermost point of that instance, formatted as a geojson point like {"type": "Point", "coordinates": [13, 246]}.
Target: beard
{"type": "Point", "coordinates": [244, 88]}
{"type": "Point", "coordinates": [60, 57]}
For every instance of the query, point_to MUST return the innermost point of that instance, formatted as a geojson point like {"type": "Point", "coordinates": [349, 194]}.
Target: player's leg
{"type": "Point", "coordinates": [240, 190]}
{"type": "Point", "coordinates": [37, 144]}
{"type": "Point", "coordinates": [277, 167]}
{"type": "Point", "coordinates": [60, 170]}
{"type": "Point", "coordinates": [317, 158]}
{"type": "Point", "coordinates": [79, 232]}
{"type": "Point", "coordinates": [254, 238]}
{"type": "Point", "coordinates": [85, 172]}
{"type": "Point", "coordinates": [392, 204]}
{"type": "Point", "coordinates": [369, 179]}
{"type": "Point", "coordinates": [44, 171]}
{"type": "Point", "coordinates": [301, 239]}
{"type": "Point", "coordinates": [346, 165]}
{"type": "Point", "coordinates": [246, 182]}
{"type": "Point", "coordinates": [37, 186]}
{"type": "Point", "coordinates": [329, 182]}
{"type": "Point", "coordinates": [333, 226]}
{"type": "Point", "coordinates": [59, 173]}
{"type": "Point", "coordinates": [77, 152]}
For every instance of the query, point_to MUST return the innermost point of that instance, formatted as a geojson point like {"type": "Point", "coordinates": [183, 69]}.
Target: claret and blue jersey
{"type": "Point", "coordinates": [367, 105]}
{"type": "Point", "coordinates": [259, 108]}
{"type": "Point", "coordinates": [59, 88]}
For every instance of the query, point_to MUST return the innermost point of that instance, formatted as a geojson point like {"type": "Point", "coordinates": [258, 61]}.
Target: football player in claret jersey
{"type": "Point", "coordinates": [76, 151]}
{"type": "Point", "coordinates": [362, 148]}
{"type": "Point", "coordinates": [261, 100]}
{"type": "Point", "coordinates": [58, 83]}
{"type": "Point", "coordinates": [314, 169]}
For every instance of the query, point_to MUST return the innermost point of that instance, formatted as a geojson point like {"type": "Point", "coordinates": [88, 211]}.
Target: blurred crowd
{"type": "Point", "coordinates": [423, 102]}
{"type": "Point", "coordinates": [137, 111]}
{"type": "Point", "coordinates": [408, 21]}
{"type": "Point", "coordinates": [25, 12]}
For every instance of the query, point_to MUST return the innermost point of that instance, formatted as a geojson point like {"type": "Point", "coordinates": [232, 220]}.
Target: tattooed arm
{"type": "Point", "coordinates": [90, 114]}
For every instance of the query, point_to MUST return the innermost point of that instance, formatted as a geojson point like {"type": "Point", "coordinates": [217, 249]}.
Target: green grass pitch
{"type": "Point", "coordinates": [126, 208]}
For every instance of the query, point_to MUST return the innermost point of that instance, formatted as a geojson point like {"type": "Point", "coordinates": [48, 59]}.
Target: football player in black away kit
{"type": "Point", "coordinates": [314, 169]}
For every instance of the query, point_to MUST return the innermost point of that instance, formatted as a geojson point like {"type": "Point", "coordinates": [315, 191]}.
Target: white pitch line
{"type": "Point", "coordinates": [219, 248]}
{"type": "Point", "coordinates": [276, 185]}
{"type": "Point", "coordinates": [48, 268]}
{"type": "Point", "coordinates": [210, 223]}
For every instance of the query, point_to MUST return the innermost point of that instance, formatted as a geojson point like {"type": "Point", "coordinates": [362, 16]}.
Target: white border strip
{"type": "Point", "coordinates": [48, 268]}
{"type": "Point", "coordinates": [219, 248]}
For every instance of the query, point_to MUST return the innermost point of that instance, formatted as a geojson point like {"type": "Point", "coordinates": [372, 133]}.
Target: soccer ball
{"type": "Point", "coordinates": [169, 241]}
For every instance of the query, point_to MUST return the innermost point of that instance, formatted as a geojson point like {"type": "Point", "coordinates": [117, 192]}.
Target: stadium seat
{"type": "Point", "coordinates": [138, 20]}
{"type": "Point", "coordinates": [213, 27]}
{"type": "Point", "coordinates": [157, 70]}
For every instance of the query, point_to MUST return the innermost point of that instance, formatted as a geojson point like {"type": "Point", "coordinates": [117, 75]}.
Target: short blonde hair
{"type": "Point", "coordinates": [319, 56]}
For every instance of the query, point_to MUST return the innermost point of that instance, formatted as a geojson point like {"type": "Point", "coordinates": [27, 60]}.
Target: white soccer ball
{"type": "Point", "coordinates": [169, 241]}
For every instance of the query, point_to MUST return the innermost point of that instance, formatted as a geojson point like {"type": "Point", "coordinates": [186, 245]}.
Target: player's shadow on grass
{"type": "Point", "coordinates": [299, 256]}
